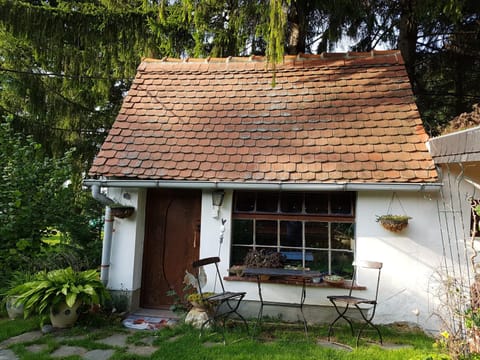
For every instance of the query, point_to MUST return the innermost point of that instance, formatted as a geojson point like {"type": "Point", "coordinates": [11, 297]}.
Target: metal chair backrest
{"type": "Point", "coordinates": [207, 261]}
{"type": "Point", "coordinates": [365, 264]}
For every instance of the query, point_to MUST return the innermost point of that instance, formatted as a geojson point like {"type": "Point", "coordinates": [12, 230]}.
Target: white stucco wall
{"type": "Point", "coordinates": [411, 259]}
{"type": "Point", "coordinates": [127, 242]}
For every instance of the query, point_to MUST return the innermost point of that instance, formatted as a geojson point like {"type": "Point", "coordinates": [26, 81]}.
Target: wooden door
{"type": "Point", "coordinates": [172, 242]}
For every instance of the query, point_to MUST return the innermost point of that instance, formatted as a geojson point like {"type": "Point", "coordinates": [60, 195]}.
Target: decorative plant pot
{"type": "Point", "coordinates": [64, 316]}
{"type": "Point", "coordinates": [122, 211]}
{"type": "Point", "coordinates": [13, 311]}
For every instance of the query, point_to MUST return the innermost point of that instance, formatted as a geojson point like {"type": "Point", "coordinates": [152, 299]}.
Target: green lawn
{"type": "Point", "coordinates": [276, 341]}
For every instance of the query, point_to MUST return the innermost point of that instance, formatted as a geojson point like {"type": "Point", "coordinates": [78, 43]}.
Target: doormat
{"type": "Point", "coordinates": [139, 322]}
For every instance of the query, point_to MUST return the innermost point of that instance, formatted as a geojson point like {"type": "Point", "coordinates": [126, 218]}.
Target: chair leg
{"type": "Point", "coordinates": [258, 323]}
{"type": "Point", "coordinates": [218, 316]}
{"type": "Point", "coordinates": [341, 314]}
{"type": "Point", "coordinates": [213, 320]}
{"type": "Point", "coordinates": [368, 322]}
{"type": "Point", "coordinates": [304, 321]}
{"type": "Point", "coordinates": [234, 310]}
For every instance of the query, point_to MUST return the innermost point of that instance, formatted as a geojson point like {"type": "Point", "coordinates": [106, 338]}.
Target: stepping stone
{"type": "Point", "coordinates": [142, 350]}
{"type": "Point", "coordinates": [395, 346]}
{"type": "Point", "coordinates": [115, 340]}
{"type": "Point", "coordinates": [148, 340]}
{"type": "Point", "coordinates": [25, 337]}
{"type": "Point", "coordinates": [36, 348]}
{"type": "Point", "coordinates": [64, 351]}
{"type": "Point", "coordinates": [6, 354]}
{"type": "Point", "coordinates": [70, 338]}
{"type": "Point", "coordinates": [98, 354]}
{"type": "Point", "coordinates": [174, 338]}
{"type": "Point", "coordinates": [333, 345]}
{"type": "Point", "coordinates": [210, 344]}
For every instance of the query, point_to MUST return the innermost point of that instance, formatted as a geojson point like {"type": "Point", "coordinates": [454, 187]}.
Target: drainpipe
{"type": "Point", "coordinates": [107, 232]}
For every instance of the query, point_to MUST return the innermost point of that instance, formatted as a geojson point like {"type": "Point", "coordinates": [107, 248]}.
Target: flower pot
{"type": "Point", "coordinates": [13, 311]}
{"type": "Point", "coordinates": [63, 316]}
{"type": "Point", "coordinates": [122, 211]}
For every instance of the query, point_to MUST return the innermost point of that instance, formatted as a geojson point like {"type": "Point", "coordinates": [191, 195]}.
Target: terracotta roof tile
{"type": "Point", "coordinates": [334, 117]}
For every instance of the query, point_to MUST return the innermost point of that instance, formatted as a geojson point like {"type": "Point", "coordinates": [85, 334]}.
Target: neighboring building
{"type": "Point", "coordinates": [457, 156]}
{"type": "Point", "coordinates": [305, 167]}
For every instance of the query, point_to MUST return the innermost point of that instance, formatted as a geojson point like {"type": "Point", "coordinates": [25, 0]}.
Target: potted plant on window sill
{"type": "Point", "coordinates": [59, 294]}
{"type": "Point", "coordinates": [264, 259]}
{"type": "Point", "coordinates": [394, 223]}
{"type": "Point", "coordinates": [237, 270]}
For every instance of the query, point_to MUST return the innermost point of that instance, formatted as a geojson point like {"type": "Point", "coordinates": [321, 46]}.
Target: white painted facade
{"type": "Point", "coordinates": [411, 259]}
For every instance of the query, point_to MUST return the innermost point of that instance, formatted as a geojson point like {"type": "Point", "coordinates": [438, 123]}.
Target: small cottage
{"type": "Point", "coordinates": [215, 161]}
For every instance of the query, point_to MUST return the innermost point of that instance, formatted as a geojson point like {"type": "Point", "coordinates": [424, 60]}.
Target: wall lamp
{"type": "Point", "coordinates": [217, 201]}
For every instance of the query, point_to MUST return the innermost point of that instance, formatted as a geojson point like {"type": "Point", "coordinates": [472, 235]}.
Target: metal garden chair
{"type": "Point", "coordinates": [365, 306]}
{"type": "Point", "coordinates": [224, 303]}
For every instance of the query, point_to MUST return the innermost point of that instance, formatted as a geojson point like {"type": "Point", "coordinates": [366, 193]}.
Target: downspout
{"type": "Point", "coordinates": [107, 232]}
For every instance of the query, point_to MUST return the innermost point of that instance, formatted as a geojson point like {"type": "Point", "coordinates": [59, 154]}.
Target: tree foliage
{"type": "Point", "coordinates": [65, 66]}
{"type": "Point", "coordinates": [37, 197]}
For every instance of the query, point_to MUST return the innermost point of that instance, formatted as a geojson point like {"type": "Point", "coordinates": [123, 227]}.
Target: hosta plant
{"type": "Point", "coordinates": [49, 290]}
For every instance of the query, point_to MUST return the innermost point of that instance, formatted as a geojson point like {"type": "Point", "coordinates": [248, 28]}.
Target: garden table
{"type": "Point", "coordinates": [262, 273]}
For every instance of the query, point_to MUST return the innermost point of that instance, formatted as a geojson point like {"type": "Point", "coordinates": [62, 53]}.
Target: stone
{"type": "Point", "coordinates": [333, 345]}
{"type": "Point", "coordinates": [36, 348]}
{"type": "Point", "coordinates": [25, 337]}
{"type": "Point", "coordinates": [64, 351]}
{"type": "Point", "coordinates": [98, 354]}
{"type": "Point", "coordinates": [115, 340]}
{"type": "Point", "coordinates": [142, 350]}
{"type": "Point", "coordinates": [6, 354]}
{"type": "Point", "coordinates": [197, 317]}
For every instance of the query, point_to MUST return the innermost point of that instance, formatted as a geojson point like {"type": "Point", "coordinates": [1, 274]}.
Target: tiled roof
{"type": "Point", "coordinates": [330, 118]}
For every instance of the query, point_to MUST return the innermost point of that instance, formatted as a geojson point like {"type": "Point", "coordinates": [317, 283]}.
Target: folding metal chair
{"type": "Point", "coordinates": [343, 303]}
{"type": "Point", "coordinates": [224, 303]}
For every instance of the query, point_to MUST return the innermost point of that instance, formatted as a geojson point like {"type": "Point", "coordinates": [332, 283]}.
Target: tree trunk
{"type": "Point", "coordinates": [297, 28]}
{"type": "Point", "coordinates": [407, 42]}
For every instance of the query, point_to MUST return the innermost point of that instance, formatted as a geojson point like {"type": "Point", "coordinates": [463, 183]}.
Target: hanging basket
{"type": "Point", "coordinates": [393, 223]}
{"type": "Point", "coordinates": [122, 211]}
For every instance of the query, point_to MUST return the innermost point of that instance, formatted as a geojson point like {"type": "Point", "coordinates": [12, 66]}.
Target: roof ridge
{"type": "Point", "coordinates": [349, 55]}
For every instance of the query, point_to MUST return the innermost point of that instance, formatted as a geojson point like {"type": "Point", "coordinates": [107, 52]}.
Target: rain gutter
{"type": "Point", "coordinates": [277, 186]}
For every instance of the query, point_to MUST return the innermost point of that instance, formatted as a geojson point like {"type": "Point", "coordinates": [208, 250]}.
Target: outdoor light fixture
{"type": "Point", "coordinates": [217, 201]}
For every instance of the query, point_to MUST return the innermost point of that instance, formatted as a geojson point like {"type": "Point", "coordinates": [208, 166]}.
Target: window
{"type": "Point", "coordinates": [314, 230]}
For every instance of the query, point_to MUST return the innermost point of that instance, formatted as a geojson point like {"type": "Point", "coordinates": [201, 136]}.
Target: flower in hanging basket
{"type": "Point", "coordinates": [121, 211]}
{"type": "Point", "coordinates": [394, 223]}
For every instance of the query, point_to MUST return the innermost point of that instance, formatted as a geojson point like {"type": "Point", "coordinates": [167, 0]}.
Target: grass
{"type": "Point", "coordinates": [276, 341]}
{"type": "Point", "coordinates": [10, 328]}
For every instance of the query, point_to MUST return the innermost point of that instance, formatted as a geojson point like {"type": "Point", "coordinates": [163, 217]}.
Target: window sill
{"type": "Point", "coordinates": [291, 281]}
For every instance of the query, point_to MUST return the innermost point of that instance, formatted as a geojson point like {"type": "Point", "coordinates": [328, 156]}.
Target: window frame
{"type": "Point", "coordinates": [303, 217]}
